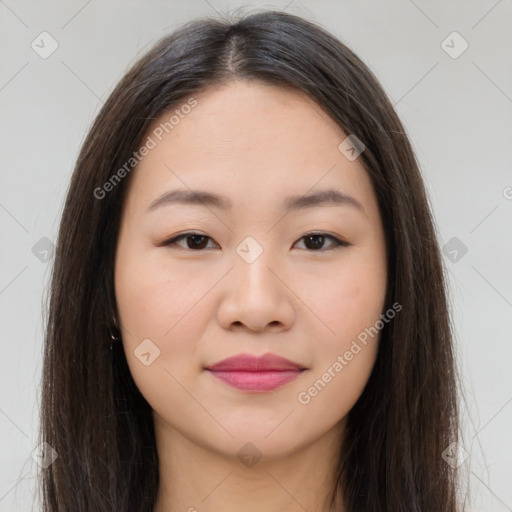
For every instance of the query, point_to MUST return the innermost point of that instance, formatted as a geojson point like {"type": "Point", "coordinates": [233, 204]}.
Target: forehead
{"type": "Point", "coordinates": [243, 139]}
{"type": "Point", "coordinates": [247, 114]}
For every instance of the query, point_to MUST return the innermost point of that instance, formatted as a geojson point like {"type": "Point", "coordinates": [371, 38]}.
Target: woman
{"type": "Point", "coordinates": [248, 307]}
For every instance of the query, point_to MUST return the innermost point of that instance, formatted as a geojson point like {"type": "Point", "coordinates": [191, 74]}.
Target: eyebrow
{"type": "Point", "coordinates": [328, 197]}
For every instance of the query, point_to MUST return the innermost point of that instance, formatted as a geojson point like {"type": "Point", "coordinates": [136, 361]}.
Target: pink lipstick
{"type": "Point", "coordinates": [256, 374]}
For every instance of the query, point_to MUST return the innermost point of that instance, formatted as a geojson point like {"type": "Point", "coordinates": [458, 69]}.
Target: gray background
{"type": "Point", "coordinates": [457, 112]}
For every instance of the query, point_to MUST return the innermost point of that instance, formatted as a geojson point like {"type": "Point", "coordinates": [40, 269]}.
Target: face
{"type": "Point", "coordinates": [258, 272]}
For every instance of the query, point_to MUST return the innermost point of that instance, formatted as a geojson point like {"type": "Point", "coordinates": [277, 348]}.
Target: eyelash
{"type": "Point", "coordinates": [173, 241]}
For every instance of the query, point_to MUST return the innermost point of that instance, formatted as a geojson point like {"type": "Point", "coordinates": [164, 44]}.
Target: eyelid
{"type": "Point", "coordinates": [338, 242]}
{"type": "Point", "coordinates": [179, 236]}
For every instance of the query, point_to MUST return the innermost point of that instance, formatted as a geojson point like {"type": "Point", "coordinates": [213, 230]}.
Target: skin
{"type": "Point", "coordinates": [256, 144]}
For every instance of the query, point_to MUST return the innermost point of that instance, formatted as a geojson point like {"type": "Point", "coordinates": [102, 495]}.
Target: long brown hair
{"type": "Point", "coordinates": [92, 413]}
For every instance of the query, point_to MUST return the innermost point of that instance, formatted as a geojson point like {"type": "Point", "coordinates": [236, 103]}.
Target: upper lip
{"type": "Point", "coordinates": [249, 363]}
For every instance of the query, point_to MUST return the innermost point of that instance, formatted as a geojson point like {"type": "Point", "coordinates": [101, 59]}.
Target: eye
{"type": "Point", "coordinates": [316, 240]}
{"type": "Point", "coordinates": [198, 241]}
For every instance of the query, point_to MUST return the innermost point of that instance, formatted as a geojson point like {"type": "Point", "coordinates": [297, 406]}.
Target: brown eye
{"type": "Point", "coordinates": [315, 241]}
{"type": "Point", "coordinates": [194, 241]}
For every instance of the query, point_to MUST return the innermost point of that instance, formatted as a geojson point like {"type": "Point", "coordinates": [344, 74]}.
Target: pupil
{"type": "Point", "coordinates": [319, 243]}
{"type": "Point", "coordinates": [195, 243]}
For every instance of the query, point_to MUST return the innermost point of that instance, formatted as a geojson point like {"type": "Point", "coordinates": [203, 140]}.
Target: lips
{"type": "Point", "coordinates": [256, 374]}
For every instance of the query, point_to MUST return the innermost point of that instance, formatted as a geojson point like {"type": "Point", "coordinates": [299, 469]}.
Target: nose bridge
{"type": "Point", "coordinates": [252, 264]}
{"type": "Point", "coordinates": [255, 296]}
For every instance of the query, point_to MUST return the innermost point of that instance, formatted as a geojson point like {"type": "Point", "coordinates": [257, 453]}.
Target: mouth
{"type": "Point", "coordinates": [256, 374]}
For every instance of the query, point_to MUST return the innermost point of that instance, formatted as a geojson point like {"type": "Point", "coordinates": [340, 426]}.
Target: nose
{"type": "Point", "coordinates": [256, 296]}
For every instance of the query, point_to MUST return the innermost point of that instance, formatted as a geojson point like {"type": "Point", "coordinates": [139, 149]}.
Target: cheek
{"type": "Point", "coordinates": [332, 390]}
{"type": "Point", "coordinates": [349, 307]}
{"type": "Point", "coordinates": [348, 302]}
{"type": "Point", "coordinates": [164, 305]}
{"type": "Point", "coordinates": [155, 299]}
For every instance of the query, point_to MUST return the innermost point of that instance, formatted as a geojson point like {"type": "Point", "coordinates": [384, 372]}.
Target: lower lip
{"type": "Point", "coordinates": [257, 381]}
